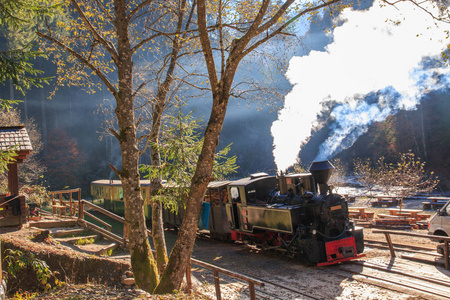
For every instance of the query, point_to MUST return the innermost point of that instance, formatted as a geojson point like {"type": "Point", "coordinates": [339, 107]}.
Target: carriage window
{"type": "Point", "coordinates": [121, 193]}
{"type": "Point", "coordinates": [234, 191]}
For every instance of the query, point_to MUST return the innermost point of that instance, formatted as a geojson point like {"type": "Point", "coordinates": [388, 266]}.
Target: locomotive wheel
{"type": "Point", "coordinates": [313, 250]}
{"type": "Point", "coordinates": [359, 241]}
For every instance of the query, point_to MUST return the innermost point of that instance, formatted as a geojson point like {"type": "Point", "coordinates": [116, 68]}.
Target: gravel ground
{"type": "Point", "coordinates": [309, 281]}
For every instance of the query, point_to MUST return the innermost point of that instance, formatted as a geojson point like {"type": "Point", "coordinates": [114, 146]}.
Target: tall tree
{"type": "Point", "coordinates": [19, 19]}
{"type": "Point", "coordinates": [16, 55]}
{"type": "Point", "coordinates": [110, 40]}
{"type": "Point", "coordinates": [233, 29]}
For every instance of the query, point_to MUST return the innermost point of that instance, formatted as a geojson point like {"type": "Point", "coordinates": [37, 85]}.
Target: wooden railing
{"type": "Point", "coordinates": [446, 240]}
{"type": "Point", "coordinates": [63, 204]}
{"type": "Point", "coordinates": [81, 206]}
{"type": "Point", "coordinates": [216, 270]}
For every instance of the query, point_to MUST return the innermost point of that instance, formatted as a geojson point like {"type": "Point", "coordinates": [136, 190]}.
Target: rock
{"type": "Point", "coordinates": [128, 281]}
{"type": "Point", "coordinates": [129, 274]}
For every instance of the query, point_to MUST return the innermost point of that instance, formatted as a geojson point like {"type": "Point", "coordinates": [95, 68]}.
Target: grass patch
{"type": "Point", "coordinates": [88, 241]}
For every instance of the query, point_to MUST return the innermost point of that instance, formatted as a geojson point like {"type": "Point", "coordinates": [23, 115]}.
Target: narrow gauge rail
{"type": "Point", "coordinates": [404, 248]}
{"type": "Point", "coordinates": [280, 288]}
{"type": "Point", "coordinates": [395, 279]}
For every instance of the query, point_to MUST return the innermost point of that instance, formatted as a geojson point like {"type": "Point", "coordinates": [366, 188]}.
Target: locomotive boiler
{"type": "Point", "coordinates": [294, 213]}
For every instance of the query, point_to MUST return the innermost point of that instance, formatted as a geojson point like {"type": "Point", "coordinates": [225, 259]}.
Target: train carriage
{"type": "Point", "coordinates": [294, 213]}
{"type": "Point", "coordinates": [109, 194]}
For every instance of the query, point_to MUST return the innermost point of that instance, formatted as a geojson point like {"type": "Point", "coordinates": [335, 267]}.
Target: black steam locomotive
{"type": "Point", "coordinates": [294, 213]}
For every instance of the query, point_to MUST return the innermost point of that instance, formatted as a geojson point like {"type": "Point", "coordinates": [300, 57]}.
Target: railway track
{"type": "Point", "coordinates": [397, 278]}
{"type": "Point", "coordinates": [379, 277]}
{"type": "Point", "coordinates": [394, 276]}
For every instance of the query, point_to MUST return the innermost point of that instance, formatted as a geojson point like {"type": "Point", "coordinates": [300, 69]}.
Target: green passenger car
{"type": "Point", "coordinates": [109, 194]}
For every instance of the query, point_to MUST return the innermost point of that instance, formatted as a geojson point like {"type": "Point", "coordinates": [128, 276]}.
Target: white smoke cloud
{"type": "Point", "coordinates": [376, 52]}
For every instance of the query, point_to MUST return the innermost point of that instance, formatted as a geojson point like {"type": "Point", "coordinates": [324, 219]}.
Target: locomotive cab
{"type": "Point", "coordinates": [296, 184]}
{"type": "Point", "coordinates": [295, 213]}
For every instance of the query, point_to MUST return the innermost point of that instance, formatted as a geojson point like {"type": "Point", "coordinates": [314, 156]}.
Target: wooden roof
{"type": "Point", "coordinates": [15, 136]}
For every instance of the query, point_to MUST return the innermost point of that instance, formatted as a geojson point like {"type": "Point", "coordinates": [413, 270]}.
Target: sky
{"type": "Point", "coordinates": [379, 60]}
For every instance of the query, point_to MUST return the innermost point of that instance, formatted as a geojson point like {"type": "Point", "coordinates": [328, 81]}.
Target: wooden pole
{"type": "Point", "coordinates": [251, 287]}
{"type": "Point", "coordinates": [189, 277]}
{"type": "Point", "coordinates": [401, 201]}
{"type": "Point", "coordinates": [70, 203]}
{"type": "Point", "coordinates": [447, 264]}
{"type": "Point", "coordinates": [389, 242]}
{"type": "Point", "coordinates": [217, 284]}
{"type": "Point", "coordinates": [13, 179]}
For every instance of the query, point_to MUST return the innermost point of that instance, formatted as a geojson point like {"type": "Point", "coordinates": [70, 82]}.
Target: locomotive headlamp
{"type": "Point", "coordinates": [314, 232]}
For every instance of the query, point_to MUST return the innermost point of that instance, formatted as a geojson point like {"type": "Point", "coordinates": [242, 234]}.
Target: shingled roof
{"type": "Point", "coordinates": [15, 136]}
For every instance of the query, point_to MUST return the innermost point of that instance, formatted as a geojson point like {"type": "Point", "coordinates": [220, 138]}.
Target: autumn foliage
{"type": "Point", "coordinates": [64, 160]}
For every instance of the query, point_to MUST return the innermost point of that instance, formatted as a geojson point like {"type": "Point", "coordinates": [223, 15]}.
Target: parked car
{"type": "Point", "coordinates": [440, 222]}
{"type": "Point", "coordinates": [440, 225]}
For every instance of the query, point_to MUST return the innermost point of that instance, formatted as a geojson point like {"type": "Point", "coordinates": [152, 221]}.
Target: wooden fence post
{"type": "Point", "coordinates": [189, 277]}
{"type": "Point", "coordinates": [446, 254]}
{"type": "Point", "coordinates": [81, 211]}
{"type": "Point", "coordinates": [389, 242]}
{"type": "Point", "coordinates": [217, 284]}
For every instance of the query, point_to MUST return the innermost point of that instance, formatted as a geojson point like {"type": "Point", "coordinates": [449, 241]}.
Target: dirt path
{"type": "Point", "coordinates": [302, 280]}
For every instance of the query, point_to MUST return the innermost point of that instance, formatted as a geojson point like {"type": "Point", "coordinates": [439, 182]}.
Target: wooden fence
{"type": "Point", "coordinates": [446, 240]}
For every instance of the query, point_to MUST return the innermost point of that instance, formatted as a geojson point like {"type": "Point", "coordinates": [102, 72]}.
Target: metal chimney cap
{"type": "Point", "coordinates": [321, 165]}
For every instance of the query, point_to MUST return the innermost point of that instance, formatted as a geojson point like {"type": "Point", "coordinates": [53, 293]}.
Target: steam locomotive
{"type": "Point", "coordinates": [294, 213]}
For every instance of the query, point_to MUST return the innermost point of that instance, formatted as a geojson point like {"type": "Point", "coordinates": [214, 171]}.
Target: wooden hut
{"type": "Point", "coordinates": [12, 205]}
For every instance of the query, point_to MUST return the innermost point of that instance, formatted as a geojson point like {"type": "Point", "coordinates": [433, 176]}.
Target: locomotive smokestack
{"type": "Point", "coordinates": [321, 171]}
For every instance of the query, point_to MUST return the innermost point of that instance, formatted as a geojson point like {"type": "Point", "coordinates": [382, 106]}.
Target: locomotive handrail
{"type": "Point", "coordinates": [446, 240]}
{"type": "Point", "coordinates": [216, 270]}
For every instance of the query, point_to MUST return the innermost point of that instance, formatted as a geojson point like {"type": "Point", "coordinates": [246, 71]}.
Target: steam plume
{"type": "Point", "coordinates": [375, 66]}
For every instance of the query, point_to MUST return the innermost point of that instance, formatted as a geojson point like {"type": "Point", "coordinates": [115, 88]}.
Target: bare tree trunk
{"type": "Point", "coordinates": [181, 252]}
{"type": "Point", "coordinates": [158, 110]}
{"type": "Point", "coordinates": [142, 262]}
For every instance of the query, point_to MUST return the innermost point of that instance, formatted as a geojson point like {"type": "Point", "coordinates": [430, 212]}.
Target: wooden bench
{"type": "Point", "coordinates": [421, 217]}
{"type": "Point", "coordinates": [382, 216]}
{"type": "Point", "coordinates": [384, 203]}
{"type": "Point", "coordinates": [353, 215]}
{"type": "Point", "coordinates": [357, 212]}
{"type": "Point", "coordinates": [60, 209]}
{"type": "Point", "coordinates": [369, 214]}
{"type": "Point", "coordinates": [434, 205]}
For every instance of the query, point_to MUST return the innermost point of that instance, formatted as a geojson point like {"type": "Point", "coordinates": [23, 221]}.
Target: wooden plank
{"type": "Point", "coordinates": [111, 246]}
{"type": "Point", "coordinates": [63, 232]}
{"type": "Point", "coordinates": [227, 272]}
{"type": "Point", "coordinates": [103, 211]}
{"type": "Point", "coordinates": [104, 232]}
{"type": "Point", "coordinates": [445, 238]}
{"type": "Point", "coordinates": [402, 245]}
{"type": "Point", "coordinates": [72, 240]}
{"type": "Point", "coordinates": [53, 224]}
{"type": "Point", "coordinates": [108, 226]}
{"type": "Point", "coordinates": [64, 191]}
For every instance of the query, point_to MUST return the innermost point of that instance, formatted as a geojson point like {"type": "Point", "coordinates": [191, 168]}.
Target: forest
{"type": "Point", "coordinates": [118, 79]}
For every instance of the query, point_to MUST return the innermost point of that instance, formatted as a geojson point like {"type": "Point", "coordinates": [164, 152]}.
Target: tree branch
{"type": "Point", "coordinates": [206, 45]}
{"type": "Point", "coordinates": [96, 35]}
{"type": "Point", "coordinates": [98, 72]}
